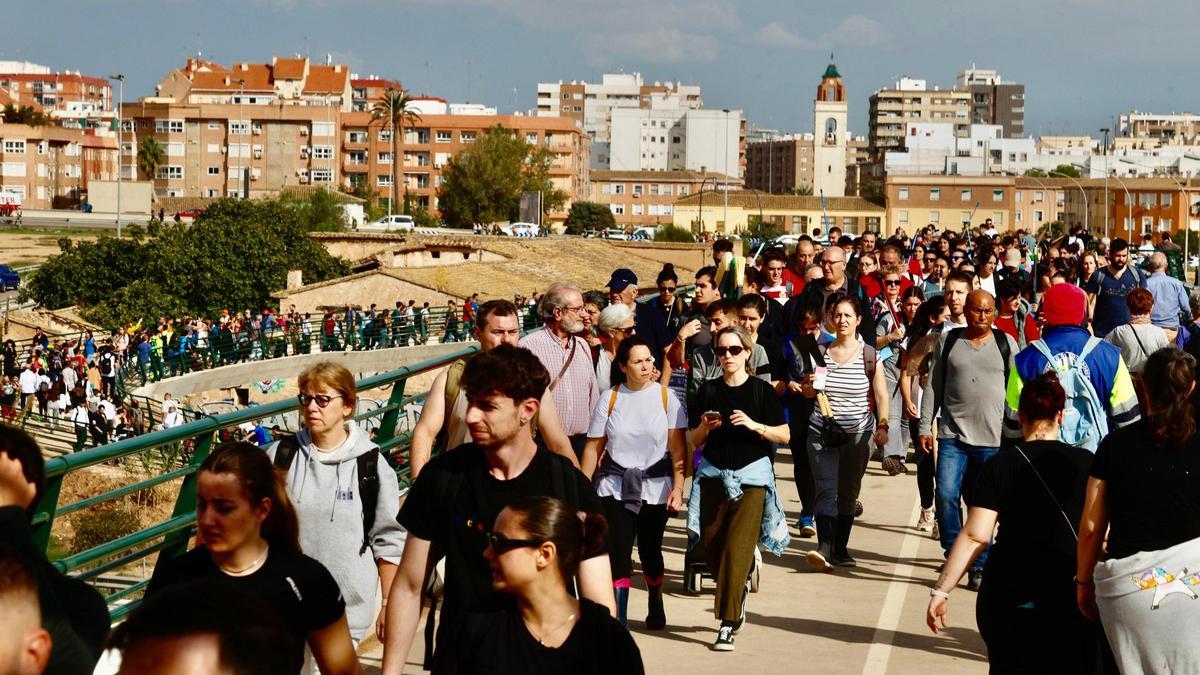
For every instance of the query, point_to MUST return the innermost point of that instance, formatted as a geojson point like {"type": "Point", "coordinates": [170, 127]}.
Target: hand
{"type": "Point", "coordinates": [794, 387]}
{"type": "Point", "coordinates": [936, 613]}
{"type": "Point", "coordinates": [1085, 597]}
{"type": "Point", "coordinates": [806, 387]}
{"type": "Point", "coordinates": [897, 334]}
{"type": "Point", "coordinates": [675, 499]}
{"type": "Point", "coordinates": [910, 409]}
{"type": "Point", "coordinates": [711, 423]}
{"type": "Point", "coordinates": [881, 436]}
{"type": "Point", "coordinates": [14, 489]}
{"type": "Point", "coordinates": [689, 329]}
{"type": "Point", "coordinates": [925, 443]}
{"type": "Point", "coordinates": [381, 624]}
{"type": "Point", "coordinates": [741, 419]}
{"type": "Point", "coordinates": [655, 375]}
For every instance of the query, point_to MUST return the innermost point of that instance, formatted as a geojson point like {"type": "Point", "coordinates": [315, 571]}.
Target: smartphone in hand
{"type": "Point", "coordinates": [711, 416]}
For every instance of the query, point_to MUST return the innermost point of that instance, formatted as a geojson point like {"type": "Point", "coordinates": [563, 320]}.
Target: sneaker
{"type": "Point", "coordinates": [974, 580]}
{"type": "Point", "coordinates": [936, 532]}
{"type": "Point", "coordinates": [858, 508]}
{"type": "Point", "coordinates": [926, 522]}
{"type": "Point", "coordinates": [724, 641]}
{"type": "Point", "coordinates": [894, 466]}
{"type": "Point", "coordinates": [808, 529]}
{"type": "Point", "coordinates": [818, 560]}
{"type": "Point", "coordinates": [737, 625]}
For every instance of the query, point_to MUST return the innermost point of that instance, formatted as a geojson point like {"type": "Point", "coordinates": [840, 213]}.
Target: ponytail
{"type": "Point", "coordinates": [261, 480]}
{"type": "Point", "coordinates": [575, 535]}
{"type": "Point", "coordinates": [595, 529]}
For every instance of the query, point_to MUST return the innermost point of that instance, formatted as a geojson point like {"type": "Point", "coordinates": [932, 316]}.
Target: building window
{"type": "Point", "coordinates": [1164, 224]}
{"type": "Point", "coordinates": [654, 189]}
{"type": "Point", "coordinates": [998, 218]}
{"type": "Point", "coordinates": [360, 157]}
{"type": "Point", "coordinates": [617, 209]}
{"type": "Point", "coordinates": [358, 137]}
{"type": "Point", "coordinates": [213, 125]}
{"type": "Point", "coordinates": [384, 158]}
{"type": "Point", "coordinates": [323, 129]}
{"type": "Point", "coordinates": [1038, 197]}
{"type": "Point", "coordinates": [443, 136]}
{"type": "Point", "coordinates": [902, 217]}
{"type": "Point", "coordinates": [997, 195]}
{"type": "Point", "coordinates": [1147, 224]}
{"type": "Point", "coordinates": [1017, 216]}
{"type": "Point", "coordinates": [935, 194]}
{"type": "Point", "coordinates": [1164, 199]}
{"type": "Point", "coordinates": [935, 217]}
{"type": "Point", "coordinates": [637, 209]}
{"type": "Point", "coordinates": [175, 149]}
{"type": "Point", "coordinates": [1017, 195]}
{"type": "Point", "coordinates": [637, 190]}
{"type": "Point", "coordinates": [214, 171]}
{"type": "Point", "coordinates": [383, 180]}
{"type": "Point", "coordinates": [322, 152]}
{"type": "Point", "coordinates": [466, 136]}
{"type": "Point", "coordinates": [168, 126]}
{"type": "Point", "coordinates": [385, 136]}
{"type": "Point", "coordinates": [239, 128]}
{"type": "Point", "coordinates": [966, 195]}
{"type": "Point", "coordinates": [322, 176]}
{"type": "Point", "coordinates": [903, 194]}
{"type": "Point", "coordinates": [169, 173]}
{"type": "Point", "coordinates": [1146, 199]}
{"type": "Point", "coordinates": [964, 217]}
{"type": "Point", "coordinates": [1038, 216]}
{"type": "Point", "coordinates": [14, 147]}
{"type": "Point", "coordinates": [531, 138]}
{"type": "Point", "coordinates": [683, 191]}
{"type": "Point", "coordinates": [440, 159]}
{"type": "Point", "coordinates": [619, 189]}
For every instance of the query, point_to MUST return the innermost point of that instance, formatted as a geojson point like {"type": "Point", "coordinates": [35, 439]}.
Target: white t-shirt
{"type": "Point", "coordinates": [637, 436]}
{"type": "Point", "coordinates": [604, 373]}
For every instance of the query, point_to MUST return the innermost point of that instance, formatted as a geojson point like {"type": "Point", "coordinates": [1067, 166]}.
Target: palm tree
{"type": "Point", "coordinates": [149, 156]}
{"type": "Point", "coordinates": [396, 110]}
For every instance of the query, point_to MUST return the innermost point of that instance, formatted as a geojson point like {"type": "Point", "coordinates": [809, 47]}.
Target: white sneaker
{"type": "Point", "coordinates": [936, 532]}
{"type": "Point", "coordinates": [926, 522]}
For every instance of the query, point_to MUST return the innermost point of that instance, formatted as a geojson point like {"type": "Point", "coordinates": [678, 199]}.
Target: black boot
{"type": "Point", "coordinates": [622, 596]}
{"type": "Point", "coordinates": [656, 617]}
{"type": "Point", "coordinates": [822, 557]}
{"type": "Point", "coordinates": [841, 556]}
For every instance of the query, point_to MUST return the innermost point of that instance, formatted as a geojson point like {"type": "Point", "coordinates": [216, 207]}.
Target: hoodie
{"type": "Point", "coordinates": [324, 488]}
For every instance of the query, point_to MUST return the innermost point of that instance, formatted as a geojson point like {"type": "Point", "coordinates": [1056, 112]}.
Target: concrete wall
{"type": "Point", "coordinates": [361, 364]}
{"type": "Point", "coordinates": [378, 288]}
{"type": "Point", "coordinates": [359, 247]}
{"type": "Point", "coordinates": [136, 196]}
{"type": "Point", "coordinates": [682, 256]}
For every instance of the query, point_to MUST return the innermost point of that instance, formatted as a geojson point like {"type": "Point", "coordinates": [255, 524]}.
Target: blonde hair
{"type": "Point", "coordinates": [743, 337]}
{"type": "Point", "coordinates": [332, 375]}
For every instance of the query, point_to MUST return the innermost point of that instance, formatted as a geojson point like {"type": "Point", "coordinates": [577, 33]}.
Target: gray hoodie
{"type": "Point", "coordinates": [324, 488]}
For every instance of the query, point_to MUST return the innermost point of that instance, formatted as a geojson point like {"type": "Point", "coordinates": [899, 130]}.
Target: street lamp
{"type": "Point", "coordinates": [725, 138]}
{"type": "Point", "coordinates": [1105, 131]}
{"type": "Point", "coordinates": [241, 107]}
{"type": "Point", "coordinates": [704, 180]}
{"type": "Point", "coordinates": [1128, 204]}
{"type": "Point", "coordinates": [120, 78]}
{"type": "Point", "coordinates": [1082, 194]}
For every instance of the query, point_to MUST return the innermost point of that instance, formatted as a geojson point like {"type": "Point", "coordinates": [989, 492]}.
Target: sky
{"type": "Point", "coordinates": [1083, 62]}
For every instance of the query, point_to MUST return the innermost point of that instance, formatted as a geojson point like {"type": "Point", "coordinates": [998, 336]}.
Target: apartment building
{"type": "Point", "coordinates": [947, 202]}
{"type": "Point", "coordinates": [1150, 130]}
{"type": "Point", "coordinates": [366, 159]}
{"type": "Point", "coordinates": [647, 198]}
{"type": "Point", "coordinates": [70, 97]}
{"type": "Point", "coordinates": [590, 103]}
{"type": "Point", "coordinates": [50, 167]}
{"type": "Point", "coordinates": [1132, 207]}
{"type": "Point", "coordinates": [365, 92]}
{"type": "Point", "coordinates": [735, 211]}
{"type": "Point", "coordinates": [783, 164]}
{"type": "Point", "coordinates": [667, 137]}
{"type": "Point", "coordinates": [994, 101]}
{"type": "Point", "coordinates": [910, 100]}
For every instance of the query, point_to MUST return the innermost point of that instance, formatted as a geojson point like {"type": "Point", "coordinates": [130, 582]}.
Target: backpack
{"type": "Point", "coordinates": [952, 337]}
{"type": "Point", "coordinates": [612, 400]}
{"type": "Point", "coordinates": [368, 480]}
{"type": "Point", "coordinates": [1085, 421]}
{"type": "Point", "coordinates": [453, 387]}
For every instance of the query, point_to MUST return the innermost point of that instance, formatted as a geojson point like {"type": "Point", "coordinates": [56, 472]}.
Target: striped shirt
{"type": "Point", "coordinates": [576, 394]}
{"type": "Point", "coordinates": [849, 394]}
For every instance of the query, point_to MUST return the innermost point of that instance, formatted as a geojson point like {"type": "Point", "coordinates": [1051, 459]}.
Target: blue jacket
{"type": "Point", "coordinates": [774, 535]}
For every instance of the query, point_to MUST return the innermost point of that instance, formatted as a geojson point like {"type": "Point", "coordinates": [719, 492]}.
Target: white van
{"type": "Point", "coordinates": [392, 223]}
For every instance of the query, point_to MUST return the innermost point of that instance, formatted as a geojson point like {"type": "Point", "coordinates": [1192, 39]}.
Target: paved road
{"type": "Point", "coordinates": [867, 620]}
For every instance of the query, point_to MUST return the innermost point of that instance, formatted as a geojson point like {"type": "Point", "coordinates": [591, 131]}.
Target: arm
{"type": "Point", "coordinates": [591, 455]}
{"type": "Point", "coordinates": [595, 582]}
{"type": "Point", "coordinates": [971, 541]}
{"type": "Point", "coordinates": [677, 447]}
{"type": "Point", "coordinates": [777, 434]}
{"type": "Point", "coordinates": [332, 648]}
{"type": "Point", "coordinates": [429, 425]}
{"type": "Point", "coordinates": [1092, 527]}
{"type": "Point", "coordinates": [677, 352]}
{"type": "Point", "coordinates": [550, 426]}
{"type": "Point", "coordinates": [404, 603]}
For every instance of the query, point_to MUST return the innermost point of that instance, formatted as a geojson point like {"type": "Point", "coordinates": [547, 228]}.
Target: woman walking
{"type": "Point", "coordinates": [851, 411]}
{"type": "Point", "coordinates": [637, 437]}
{"type": "Point", "coordinates": [738, 419]}
{"type": "Point", "coordinates": [1035, 491]}
{"type": "Point", "coordinates": [1142, 494]}
{"type": "Point", "coordinates": [891, 327]}
{"type": "Point", "coordinates": [615, 325]}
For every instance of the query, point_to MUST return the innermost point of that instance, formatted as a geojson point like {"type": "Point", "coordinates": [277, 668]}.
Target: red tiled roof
{"type": "Point", "coordinates": [290, 69]}
{"type": "Point", "coordinates": [326, 80]}
{"type": "Point", "coordinates": [256, 75]}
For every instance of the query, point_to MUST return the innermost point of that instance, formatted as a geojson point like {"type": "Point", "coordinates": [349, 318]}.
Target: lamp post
{"type": "Point", "coordinates": [704, 180]}
{"type": "Point", "coordinates": [1082, 194]}
{"type": "Point", "coordinates": [1128, 204]}
{"type": "Point", "coordinates": [120, 78]}
{"type": "Point", "coordinates": [1105, 131]}
{"type": "Point", "coordinates": [725, 137]}
{"type": "Point", "coordinates": [241, 121]}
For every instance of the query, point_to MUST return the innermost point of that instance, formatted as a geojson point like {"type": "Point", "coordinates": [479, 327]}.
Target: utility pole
{"type": "Point", "coordinates": [1105, 131]}
{"type": "Point", "coordinates": [120, 78]}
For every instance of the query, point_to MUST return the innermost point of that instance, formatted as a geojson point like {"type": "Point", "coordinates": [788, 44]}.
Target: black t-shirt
{"type": "Point", "coordinates": [1153, 493]}
{"type": "Point", "coordinates": [1032, 529]}
{"type": "Point", "coordinates": [299, 588]}
{"type": "Point", "coordinates": [497, 642]}
{"type": "Point", "coordinates": [774, 356]}
{"type": "Point", "coordinates": [455, 501]}
{"type": "Point", "coordinates": [732, 447]}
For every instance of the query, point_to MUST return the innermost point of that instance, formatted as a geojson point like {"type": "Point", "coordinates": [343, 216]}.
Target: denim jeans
{"type": "Point", "coordinates": [958, 467]}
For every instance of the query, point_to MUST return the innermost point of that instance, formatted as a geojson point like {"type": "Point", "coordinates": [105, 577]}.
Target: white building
{"type": "Point", "coordinates": [668, 137]}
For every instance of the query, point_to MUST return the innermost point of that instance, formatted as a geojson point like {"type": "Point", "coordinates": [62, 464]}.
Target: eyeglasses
{"type": "Point", "coordinates": [321, 399]}
{"type": "Point", "coordinates": [831, 263]}
{"type": "Point", "coordinates": [956, 257]}
{"type": "Point", "coordinates": [628, 330]}
{"type": "Point", "coordinates": [730, 351]}
{"type": "Point", "coordinates": [573, 310]}
{"type": "Point", "coordinates": [666, 289]}
{"type": "Point", "coordinates": [502, 544]}
{"type": "Point", "coordinates": [891, 282]}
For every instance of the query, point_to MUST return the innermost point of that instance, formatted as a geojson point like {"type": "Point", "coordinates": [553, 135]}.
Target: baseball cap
{"type": "Point", "coordinates": [621, 279]}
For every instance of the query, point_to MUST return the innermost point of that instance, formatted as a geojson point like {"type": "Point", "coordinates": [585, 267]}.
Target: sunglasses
{"type": "Point", "coordinates": [666, 289]}
{"type": "Point", "coordinates": [321, 399]}
{"type": "Point", "coordinates": [626, 329]}
{"type": "Point", "coordinates": [731, 351]}
{"type": "Point", "coordinates": [501, 544]}
{"type": "Point", "coordinates": [891, 282]}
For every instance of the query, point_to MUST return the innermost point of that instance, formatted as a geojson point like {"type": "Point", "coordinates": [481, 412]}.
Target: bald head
{"type": "Point", "coordinates": [1157, 262]}
{"type": "Point", "coordinates": [833, 265]}
{"type": "Point", "coordinates": [980, 310]}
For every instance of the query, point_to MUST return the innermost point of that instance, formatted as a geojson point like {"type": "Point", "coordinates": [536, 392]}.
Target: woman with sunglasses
{"type": "Point", "coordinates": [637, 437]}
{"type": "Point", "coordinates": [248, 538]}
{"type": "Point", "coordinates": [891, 327]}
{"type": "Point", "coordinates": [332, 487]}
{"type": "Point", "coordinates": [616, 324]}
{"type": "Point", "coordinates": [534, 551]}
{"type": "Point", "coordinates": [738, 419]}
{"type": "Point", "coordinates": [666, 303]}
{"type": "Point", "coordinates": [915, 365]}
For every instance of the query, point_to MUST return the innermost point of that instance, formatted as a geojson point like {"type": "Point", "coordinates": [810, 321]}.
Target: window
{"type": "Point", "coordinates": [935, 217]}
{"type": "Point", "coordinates": [13, 169]}
{"type": "Point", "coordinates": [43, 148]}
{"type": "Point", "coordinates": [239, 128]}
{"type": "Point", "coordinates": [965, 217]}
{"type": "Point", "coordinates": [966, 195]}
{"type": "Point", "coordinates": [383, 180]}
{"type": "Point", "coordinates": [1164, 224]}
{"type": "Point", "coordinates": [1017, 216]}
{"type": "Point", "coordinates": [169, 173]}
{"type": "Point", "coordinates": [619, 189]}
{"type": "Point", "coordinates": [935, 194]}
{"type": "Point", "coordinates": [384, 158]}
{"type": "Point", "coordinates": [213, 125]}
{"type": "Point", "coordinates": [531, 138]}
{"type": "Point", "coordinates": [360, 157]}
{"type": "Point", "coordinates": [998, 218]}
{"type": "Point", "coordinates": [175, 149]}
{"type": "Point", "coordinates": [168, 126]}
{"type": "Point", "coordinates": [637, 190]}
{"type": "Point", "coordinates": [322, 152]}
{"type": "Point", "coordinates": [323, 129]}
{"type": "Point", "coordinates": [683, 191]}
{"type": "Point", "coordinates": [637, 209]}
{"type": "Point", "coordinates": [385, 136]}
{"type": "Point", "coordinates": [214, 171]}
{"type": "Point", "coordinates": [466, 136]}
{"type": "Point", "coordinates": [1146, 199]}
{"type": "Point", "coordinates": [357, 137]}
{"type": "Point", "coordinates": [903, 195]}
{"type": "Point", "coordinates": [1164, 199]}
{"type": "Point", "coordinates": [213, 147]}
{"type": "Point", "coordinates": [1147, 224]}
{"type": "Point", "coordinates": [443, 136]}
{"type": "Point", "coordinates": [617, 209]}
{"type": "Point", "coordinates": [997, 195]}
{"type": "Point", "coordinates": [654, 189]}
{"type": "Point", "coordinates": [1038, 196]}
{"type": "Point", "coordinates": [1017, 195]}
{"type": "Point", "coordinates": [14, 147]}
{"type": "Point", "coordinates": [1038, 216]}
{"type": "Point", "coordinates": [322, 176]}
{"type": "Point", "coordinates": [440, 159]}
{"type": "Point", "coordinates": [665, 190]}
{"type": "Point", "coordinates": [902, 217]}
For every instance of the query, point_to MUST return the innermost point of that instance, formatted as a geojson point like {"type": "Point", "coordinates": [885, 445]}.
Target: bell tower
{"type": "Point", "coordinates": [829, 135]}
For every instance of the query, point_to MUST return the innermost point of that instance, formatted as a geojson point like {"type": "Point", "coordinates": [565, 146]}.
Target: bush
{"type": "Point", "coordinates": [588, 216]}
{"type": "Point", "coordinates": [670, 233]}
{"type": "Point", "coordinates": [101, 525]}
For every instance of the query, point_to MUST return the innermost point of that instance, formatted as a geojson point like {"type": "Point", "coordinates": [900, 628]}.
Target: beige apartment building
{"type": "Point", "coordinates": [782, 165]}
{"type": "Point", "coordinates": [50, 167]}
{"type": "Point", "coordinates": [947, 201]}
{"type": "Point", "coordinates": [911, 101]}
{"type": "Point", "coordinates": [647, 198]}
{"type": "Point", "coordinates": [712, 212]}
{"type": "Point", "coordinates": [72, 98]}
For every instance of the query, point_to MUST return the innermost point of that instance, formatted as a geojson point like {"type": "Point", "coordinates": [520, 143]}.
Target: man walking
{"type": "Point", "coordinates": [1108, 287]}
{"type": "Point", "coordinates": [833, 267]}
{"type": "Point", "coordinates": [1170, 296]}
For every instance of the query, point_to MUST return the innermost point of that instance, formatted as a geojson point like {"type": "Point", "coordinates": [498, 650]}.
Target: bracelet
{"type": "Point", "coordinates": [1079, 582]}
{"type": "Point", "coordinates": [935, 593]}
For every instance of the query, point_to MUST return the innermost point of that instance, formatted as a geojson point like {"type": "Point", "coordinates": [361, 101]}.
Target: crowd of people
{"type": "Point", "coordinates": [1041, 390]}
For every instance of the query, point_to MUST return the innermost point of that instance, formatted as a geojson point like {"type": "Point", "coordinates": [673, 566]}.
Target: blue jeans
{"type": "Point", "coordinates": [958, 467]}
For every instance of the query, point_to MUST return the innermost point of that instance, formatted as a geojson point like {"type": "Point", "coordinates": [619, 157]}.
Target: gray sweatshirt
{"type": "Point", "coordinates": [972, 406]}
{"type": "Point", "coordinates": [324, 488]}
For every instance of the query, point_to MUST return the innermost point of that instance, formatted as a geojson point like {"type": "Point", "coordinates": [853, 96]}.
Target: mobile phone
{"type": "Point", "coordinates": [711, 416]}
{"type": "Point", "coordinates": [819, 374]}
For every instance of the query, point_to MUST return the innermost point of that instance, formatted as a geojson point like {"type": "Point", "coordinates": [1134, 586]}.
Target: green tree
{"type": "Point", "coordinates": [589, 216]}
{"type": "Point", "coordinates": [483, 183]}
{"type": "Point", "coordinates": [1069, 170]}
{"type": "Point", "coordinates": [396, 110]}
{"type": "Point", "coordinates": [673, 234]}
{"type": "Point", "coordinates": [319, 211]}
{"type": "Point", "coordinates": [1034, 173]}
{"type": "Point", "coordinates": [150, 156]}
{"type": "Point", "coordinates": [25, 114]}
{"type": "Point", "coordinates": [803, 190]}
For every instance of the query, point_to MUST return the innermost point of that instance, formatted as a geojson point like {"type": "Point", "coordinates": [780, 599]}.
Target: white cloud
{"type": "Point", "coordinates": [775, 34]}
{"type": "Point", "coordinates": [855, 30]}
{"type": "Point", "coordinates": [659, 45]}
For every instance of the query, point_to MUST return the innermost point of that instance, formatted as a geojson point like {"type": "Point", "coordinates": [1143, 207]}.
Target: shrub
{"type": "Point", "coordinates": [670, 233]}
{"type": "Point", "coordinates": [101, 525]}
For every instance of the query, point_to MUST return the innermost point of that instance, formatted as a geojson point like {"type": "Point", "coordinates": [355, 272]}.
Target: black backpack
{"type": "Point", "coordinates": [368, 480]}
{"type": "Point", "coordinates": [952, 337]}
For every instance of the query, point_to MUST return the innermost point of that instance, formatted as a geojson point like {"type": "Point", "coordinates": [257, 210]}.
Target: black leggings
{"type": "Point", "coordinates": [926, 472]}
{"type": "Point", "coordinates": [802, 470]}
{"type": "Point", "coordinates": [624, 527]}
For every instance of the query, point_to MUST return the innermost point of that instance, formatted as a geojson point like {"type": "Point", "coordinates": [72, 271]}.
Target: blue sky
{"type": "Point", "coordinates": [1082, 61]}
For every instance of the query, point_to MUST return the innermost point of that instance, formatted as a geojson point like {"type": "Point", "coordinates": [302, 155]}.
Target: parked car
{"type": "Point", "coordinates": [10, 279]}
{"type": "Point", "coordinates": [643, 234]}
{"type": "Point", "coordinates": [397, 222]}
{"type": "Point", "coordinates": [615, 233]}
{"type": "Point", "coordinates": [191, 213]}
{"type": "Point", "coordinates": [521, 229]}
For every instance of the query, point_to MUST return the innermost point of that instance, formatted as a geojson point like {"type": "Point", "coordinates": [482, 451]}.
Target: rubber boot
{"type": "Point", "coordinates": [656, 617]}
{"type": "Point", "coordinates": [822, 557]}
{"type": "Point", "coordinates": [841, 556]}
{"type": "Point", "coordinates": [622, 595]}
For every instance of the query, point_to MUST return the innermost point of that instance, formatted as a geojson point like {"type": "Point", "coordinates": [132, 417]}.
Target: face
{"type": "Point", "coordinates": [989, 266]}
{"type": "Point", "coordinates": [868, 241]}
{"type": "Point", "coordinates": [719, 322]}
{"type": "Point", "coordinates": [321, 420]}
{"type": "Point", "coordinates": [500, 330]}
{"type": "Point", "coordinates": [891, 284]}
{"type": "Point", "coordinates": [186, 655]}
{"type": "Point", "coordinates": [750, 319]}
{"type": "Point", "coordinates": [890, 257]}
{"type": "Point", "coordinates": [569, 315]}
{"type": "Point", "coordinates": [774, 271]}
{"type": "Point", "coordinates": [494, 419]}
{"type": "Point", "coordinates": [929, 262]}
{"type": "Point", "coordinates": [618, 335]}
{"type": "Point", "coordinates": [956, 296]}
{"type": "Point", "coordinates": [941, 268]}
{"type": "Point", "coordinates": [1010, 305]}
{"type": "Point", "coordinates": [845, 319]}
{"type": "Point", "coordinates": [516, 564]}
{"type": "Point", "coordinates": [725, 349]}
{"type": "Point", "coordinates": [591, 314]}
{"type": "Point", "coordinates": [980, 309]}
{"type": "Point", "coordinates": [706, 292]}
{"type": "Point", "coordinates": [911, 305]}
{"type": "Point", "coordinates": [666, 291]}
{"type": "Point", "coordinates": [625, 296]}
{"type": "Point", "coordinates": [867, 265]}
{"type": "Point", "coordinates": [1089, 266]}
{"type": "Point", "coordinates": [225, 518]}
{"type": "Point", "coordinates": [957, 257]}
{"type": "Point", "coordinates": [639, 369]}
{"type": "Point", "coordinates": [833, 265]}
{"type": "Point", "coordinates": [1120, 258]}
{"type": "Point", "coordinates": [804, 255]}
{"type": "Point", "coordinates": [942, 316]}
{"type": "Point", "coordinates": [810, 324]}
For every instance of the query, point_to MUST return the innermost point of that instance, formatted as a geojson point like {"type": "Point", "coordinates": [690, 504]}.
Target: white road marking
{"type": "Point", "coordinates": [893, 603]}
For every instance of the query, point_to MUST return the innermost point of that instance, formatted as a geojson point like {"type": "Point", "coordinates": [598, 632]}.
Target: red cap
{"type": "Point", "coordinates": [1063, 305]}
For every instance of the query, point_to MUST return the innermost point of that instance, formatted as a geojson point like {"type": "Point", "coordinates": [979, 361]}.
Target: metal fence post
{"type": "Point", "coordinates": [47, 505]}
{"type": "Point", "coordinates": [387, 426]}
